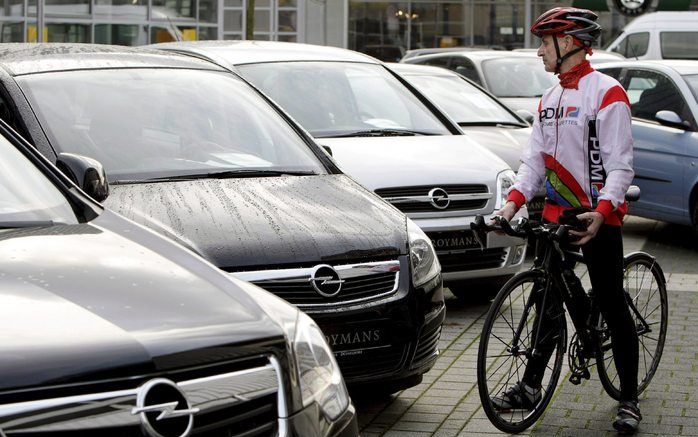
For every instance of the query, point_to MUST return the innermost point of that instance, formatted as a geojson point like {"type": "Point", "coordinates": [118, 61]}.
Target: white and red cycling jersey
{"type": "Point", "coordinates": [581, 147]}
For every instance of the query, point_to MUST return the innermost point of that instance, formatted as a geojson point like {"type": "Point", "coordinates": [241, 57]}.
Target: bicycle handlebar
{"type": "Point", "coordinates": [525, 229]}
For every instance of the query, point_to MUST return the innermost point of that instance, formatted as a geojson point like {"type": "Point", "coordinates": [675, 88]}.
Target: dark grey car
{"type": "Point", "coordinates": [110, 329]}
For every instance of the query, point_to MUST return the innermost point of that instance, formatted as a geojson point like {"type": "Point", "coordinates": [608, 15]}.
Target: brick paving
{"type": "Point", "coordinates": [447, 404]}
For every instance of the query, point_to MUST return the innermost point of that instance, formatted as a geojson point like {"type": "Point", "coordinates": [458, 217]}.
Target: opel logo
{"type": "Point", "coordinates": [326, 281]}
{"type": "Point", "coordinates": [164, 410]}
{"type": "Point", "coordinates": [439, 198]}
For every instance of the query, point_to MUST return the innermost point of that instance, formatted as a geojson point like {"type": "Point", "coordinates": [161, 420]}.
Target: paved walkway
{"type": "Point", "coordinates": [447, 403]}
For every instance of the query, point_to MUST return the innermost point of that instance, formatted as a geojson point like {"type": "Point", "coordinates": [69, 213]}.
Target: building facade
{"type": "Point", "coordinates": [386, 28]}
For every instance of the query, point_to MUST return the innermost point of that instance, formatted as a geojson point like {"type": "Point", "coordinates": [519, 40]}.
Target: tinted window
{"type": "Point", "coordinates": [26, 195]}
{"type": "Point", "coordinates": [650, 92]}
{"type": "Point", "coordinates": [441, 61]}
{"type": "Point", "coordinates": [613, 72]}
{"type": "Point", "coordinates": [341, 98]}
{"type": "Point", "coordinates": [144, 123]}
{"type": "Point", "coordinates": [679, 45]}
{"type": "Point", "coordinates": [465, 67]}
{"type": "Point", "coordinates": [636, 45]}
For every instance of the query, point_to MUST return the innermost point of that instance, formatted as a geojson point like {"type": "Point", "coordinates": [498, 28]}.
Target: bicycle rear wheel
{"type": "Point", "coordinates": [502, 362]}
{"type": "Point", "coordinates": [646, 292]}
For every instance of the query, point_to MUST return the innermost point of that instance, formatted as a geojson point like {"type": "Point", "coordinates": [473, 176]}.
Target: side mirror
{"type": "Point", "coordinates": [526, 115]}
{"type": "Point", "coordinates": [671, 119]}
{"type": "Point", "coordinates": [86, 172]}
{"type": "Point", "coordinates": [633, 193]}
{"type": "Point", "coordinates": [327, 149]}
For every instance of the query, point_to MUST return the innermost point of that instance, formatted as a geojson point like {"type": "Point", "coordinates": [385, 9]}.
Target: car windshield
{"type": "Point", "coordinates": [143, 124]}
{"type": "Point", "coordinates": [463, 102]}
{"type": "Point", "coordinates": [27, 197]}
{"type": "Point", "coordinates": [517, 77]}
{"type": "Point", "coordinates": [344, 99]}
{"type": "Point", "coordinates": [692, 81]}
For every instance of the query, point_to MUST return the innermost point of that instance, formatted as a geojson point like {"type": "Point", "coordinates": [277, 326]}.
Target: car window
{"type": "Point", "coordinates": [517, 77]}
{"type": "Point", "coordinates": [679, 45]}
{"type": "Point", "coordinates": [613, 72]}
{"type": "Point", "coordinates": [650, 92]}
{"type": "Point", "coordinates": [633, 45]}
{"type": "Point", "coordinates": [340, 98]}
{"type": "Point", "coordinates": [27, 197]}
{"type": "Point", "coordinates": [145, 123]}
{"type": "Point", "coordinates": [463, 102]}
{"type": "Point", "coordinates": [439, 61]}
{"type": "Point", "coordinates": [465, 68]}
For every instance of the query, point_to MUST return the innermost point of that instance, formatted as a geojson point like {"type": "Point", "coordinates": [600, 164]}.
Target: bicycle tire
{"type": "Point", "coordinates": [653, 307]}
{"type": "Point", "coordinates": [493, 378]}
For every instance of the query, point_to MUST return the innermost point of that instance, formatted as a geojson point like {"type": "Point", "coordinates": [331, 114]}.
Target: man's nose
{"type": "Point", "coordinates": [540, 51]}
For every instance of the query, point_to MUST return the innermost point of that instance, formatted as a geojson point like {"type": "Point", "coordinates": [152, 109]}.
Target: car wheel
{"type": "Point", "coordinates": [695, 215]}
{"type": "Point", "coordinates": [477, 290]}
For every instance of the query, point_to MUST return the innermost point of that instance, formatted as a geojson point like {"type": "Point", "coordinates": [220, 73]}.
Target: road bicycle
{"type": "Point", "coordinates": [511, 334]}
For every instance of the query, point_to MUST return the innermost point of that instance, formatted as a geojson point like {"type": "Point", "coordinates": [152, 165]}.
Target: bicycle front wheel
{"type": "Point", "coordinates": [645, 289]}
{"type": "Point", "coordinates": [515, 337]}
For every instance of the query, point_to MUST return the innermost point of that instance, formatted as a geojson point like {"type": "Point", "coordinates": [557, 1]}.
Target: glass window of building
{"type": "Point", "coordinates": [12, 8]}
{"type": "Point", "coordinates": [121, 9]}
{"type": "Point", "coordinates": [121, 34]}
{"type": "Point", "coordinates": [11, 32]}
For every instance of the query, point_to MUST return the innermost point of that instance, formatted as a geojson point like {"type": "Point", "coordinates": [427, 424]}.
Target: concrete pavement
{"type": "Point", "coordinates": [447, 403]}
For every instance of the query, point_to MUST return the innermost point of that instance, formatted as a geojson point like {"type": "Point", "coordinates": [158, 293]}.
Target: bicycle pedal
{"type": "Point", "coordinates": [576, 377]}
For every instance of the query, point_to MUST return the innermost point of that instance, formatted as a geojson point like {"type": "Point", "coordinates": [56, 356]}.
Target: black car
{"type": "Point", "coordinates": [197, 154]}
{"type": "Point", "coordinates": [112, 330]}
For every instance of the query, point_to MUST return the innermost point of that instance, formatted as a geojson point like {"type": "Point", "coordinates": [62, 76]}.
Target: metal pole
{"type": "Point", "coordinates": [39, 20]}
{"type": "Point", "coordinates": [249, 20]}
{"type": "Point", "coordinates": [527, 24]}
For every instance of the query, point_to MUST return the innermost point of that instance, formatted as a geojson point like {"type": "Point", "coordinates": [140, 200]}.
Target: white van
{"type": "Point", "coordinates": [659, 35]}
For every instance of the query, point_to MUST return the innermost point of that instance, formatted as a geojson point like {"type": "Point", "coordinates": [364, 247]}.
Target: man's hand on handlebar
{"type": "Point", "coordinates": [508, 211]}
{"type": "Point", "coordinates": [594, 221]}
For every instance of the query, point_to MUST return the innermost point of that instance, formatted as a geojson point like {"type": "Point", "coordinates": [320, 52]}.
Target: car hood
{"type": "Point", "coordinates": [411, 161]}
{"type": "Point", "coordinates": [240, 224]}
{"type": "Point", "coordinates": [85, 302]}
{"type": "Point", "coordinates": [528, 103]}
{"type": "Point", "coordinates": [505, 142]}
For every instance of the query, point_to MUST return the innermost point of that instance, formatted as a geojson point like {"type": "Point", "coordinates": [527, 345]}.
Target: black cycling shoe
{"type": "Point", "coordinates": [628, 418]}
{"type": "Point", "coordinates": [520, 396]}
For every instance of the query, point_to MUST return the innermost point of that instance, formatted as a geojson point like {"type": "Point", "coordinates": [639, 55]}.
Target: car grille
{"type": "Point", "coordinates": [361, 282]}
{"type": "Point", "coordinates": [427, 346]}
{"type": "Point", "coordinates": [418, 199]}
{"type": "Point", "coordinates": [472, 260]}
{"type": "Point", "coordinates": [372, 362]}
{"type": "Point", "coordinates": [239, 403]}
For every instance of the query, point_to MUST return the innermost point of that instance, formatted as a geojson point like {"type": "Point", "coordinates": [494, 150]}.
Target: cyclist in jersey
{"type": "Point", "coordinates": [581, 148]}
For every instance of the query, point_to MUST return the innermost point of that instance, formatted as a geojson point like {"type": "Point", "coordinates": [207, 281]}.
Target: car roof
{"type": "Point", "coordinates": [417, 69]}
{"type": "Point", "coordinates": [254, 52]}
{"type": "Point", "coordinates": [27, 58]}
{"type": "Point", "coordinates": [679, 65]}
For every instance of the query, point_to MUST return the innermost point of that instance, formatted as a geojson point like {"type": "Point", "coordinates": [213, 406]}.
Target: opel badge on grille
{"type": "Point", "coordinates": [164, 410]}
{"type": "Point", "coordinates": [326, 281]}
{"type": "Point", "coordinates": [439, 198]}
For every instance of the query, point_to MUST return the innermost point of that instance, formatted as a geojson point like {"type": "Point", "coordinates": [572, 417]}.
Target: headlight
{"type": "Point", "coordinates": [319, 376]}
{"type": "Point", "coordinates": [505, 180]}
{"type": "Point", "coordinates": [423, 260]}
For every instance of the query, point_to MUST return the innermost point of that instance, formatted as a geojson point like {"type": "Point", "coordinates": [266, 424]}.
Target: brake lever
{"type": "Point", "coordinates": [479, 229]}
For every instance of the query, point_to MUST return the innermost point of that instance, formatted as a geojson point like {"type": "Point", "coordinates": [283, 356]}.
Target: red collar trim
{"type": "Point", "coordinates": [571, 78]}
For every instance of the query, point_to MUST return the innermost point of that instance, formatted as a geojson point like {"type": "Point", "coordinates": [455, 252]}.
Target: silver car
{"type": "Point", "coordinates": [480, 114]}
{"type": "Point", "coordinates": [393, 140]}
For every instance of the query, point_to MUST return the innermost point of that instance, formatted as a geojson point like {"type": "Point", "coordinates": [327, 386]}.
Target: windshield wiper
{"type": "Point", "coordinates": [227, 174]}
{"type": "Point", "coordinates": [491, 123]}
{"type": "Point", "coordinates": [28, 224]}
{"type": "Point", "coordinates": [382, 133]}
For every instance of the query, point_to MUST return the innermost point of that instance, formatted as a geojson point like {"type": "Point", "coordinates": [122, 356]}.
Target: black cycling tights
{"type": "Point", "coordinates": [603, 256]}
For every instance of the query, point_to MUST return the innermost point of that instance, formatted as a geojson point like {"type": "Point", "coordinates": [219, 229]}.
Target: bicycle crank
{"type": "Point", "coordinates": [578, 362]}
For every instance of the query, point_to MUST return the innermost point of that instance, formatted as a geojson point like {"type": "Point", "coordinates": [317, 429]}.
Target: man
{"type": "Point", "coordinates": [581, 148]}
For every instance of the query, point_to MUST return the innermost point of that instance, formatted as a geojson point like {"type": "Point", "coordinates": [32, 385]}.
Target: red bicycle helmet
{"type": "Point", "coordinates": [578, 23]}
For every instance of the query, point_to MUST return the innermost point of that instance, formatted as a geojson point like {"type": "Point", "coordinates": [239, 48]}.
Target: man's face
{"type": "Point", "coordinates": [547, 51]}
